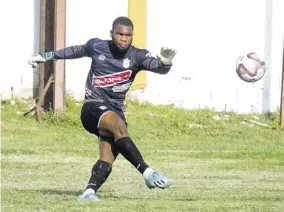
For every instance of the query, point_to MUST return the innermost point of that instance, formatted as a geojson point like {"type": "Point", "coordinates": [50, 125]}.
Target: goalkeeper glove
{"type": "Point", "coordinates": [166, 55]}
{"type": "Point", "coordinates": [40, 58]}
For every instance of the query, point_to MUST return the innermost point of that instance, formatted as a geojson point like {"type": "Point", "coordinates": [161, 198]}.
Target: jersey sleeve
{"type": "Point", "coordinates": [77, 51]}
{"type": "Point", "coordinates": [147, 62]}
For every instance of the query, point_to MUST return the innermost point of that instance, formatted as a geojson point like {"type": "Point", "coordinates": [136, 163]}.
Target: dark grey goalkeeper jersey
{"type": "Point", "coordinates": [111, 73]}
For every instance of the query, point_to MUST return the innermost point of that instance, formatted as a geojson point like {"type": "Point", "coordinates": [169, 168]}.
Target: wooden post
{"type": "Point", "coordinates": [46, 44]}
{"type": "Point", "coordinates": [38, 107]}
{"type": "Point", "coordinates": [282, 94]}
{"type": "Point", "coordinates": [42, 44]}
{"type": "Point", "coordinates": [52, 37]}
{"type": "Point", "coordinates": [59, 66]}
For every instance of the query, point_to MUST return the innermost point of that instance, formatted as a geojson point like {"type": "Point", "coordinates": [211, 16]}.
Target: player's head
{"type": "Point", "coordinates": [122, 32]}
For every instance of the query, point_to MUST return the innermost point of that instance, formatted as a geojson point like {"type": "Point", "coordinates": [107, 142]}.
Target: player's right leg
{"type": "Point", "coordinates": [111, 124]}
{"type": "Point", "coordinates": [101, 170]}
{"type": "Point", "coordinates": [90, 116]}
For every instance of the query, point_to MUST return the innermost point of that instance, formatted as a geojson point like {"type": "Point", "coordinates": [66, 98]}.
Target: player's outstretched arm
{"type": "Point", "coordinates": [71, 52]}
{"type": "Point", "coordinates": [161, 65]}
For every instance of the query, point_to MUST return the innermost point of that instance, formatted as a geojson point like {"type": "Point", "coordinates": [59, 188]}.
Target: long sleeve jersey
{"type": "Point", "coordinates": [111, 73]}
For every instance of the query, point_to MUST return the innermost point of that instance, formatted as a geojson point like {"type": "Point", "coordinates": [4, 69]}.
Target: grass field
{"type": "Point", "coordinates": [218, 165]}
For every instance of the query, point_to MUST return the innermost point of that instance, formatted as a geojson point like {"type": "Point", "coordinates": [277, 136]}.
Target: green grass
{"type": "Point", "coordinates": [218, 165]}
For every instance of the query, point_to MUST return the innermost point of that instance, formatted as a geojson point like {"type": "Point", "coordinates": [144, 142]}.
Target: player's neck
{"type": "Point", "coordinates": [116, 52]}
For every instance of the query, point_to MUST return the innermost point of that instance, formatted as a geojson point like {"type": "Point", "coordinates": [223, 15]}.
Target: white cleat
{"type": "Point", "coordinates": [88, 195]}
{"type": "Point", "coordinates": [156, 180]}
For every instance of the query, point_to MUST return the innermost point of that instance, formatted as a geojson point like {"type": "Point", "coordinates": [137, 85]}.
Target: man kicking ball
{"type": "Point", "coordinates": [115, 63]}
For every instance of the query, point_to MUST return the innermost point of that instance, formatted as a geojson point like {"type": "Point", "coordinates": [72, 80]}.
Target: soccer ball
{"type": "Point", "coordinates": [250, 68]}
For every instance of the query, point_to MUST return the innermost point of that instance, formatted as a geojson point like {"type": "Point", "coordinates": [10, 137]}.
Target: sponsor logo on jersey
{"type": "Point", "coordinates": [120, 88]}
{"type": "Point", "coordinates": [126, 63]}
{"type": "Point", "coordinates": [111, 79]}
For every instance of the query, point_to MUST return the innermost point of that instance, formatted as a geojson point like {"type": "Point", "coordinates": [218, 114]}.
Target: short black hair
{"type": "Point", "coordinates": [122, 21]}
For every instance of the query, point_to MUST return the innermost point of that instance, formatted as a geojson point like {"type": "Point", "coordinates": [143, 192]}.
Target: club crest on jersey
{"type": "Point", "coordinates": [111, 79]}
{"type": "Point", "coordinates": [126, 63]}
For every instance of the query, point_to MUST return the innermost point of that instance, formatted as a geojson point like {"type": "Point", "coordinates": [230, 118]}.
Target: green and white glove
{"type": "Point", "coordinates": [37, 58]}
{"type": "Point", "coordinates": [166, 55]}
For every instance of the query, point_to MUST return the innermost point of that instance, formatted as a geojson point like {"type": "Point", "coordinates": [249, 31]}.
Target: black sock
{"type": "Point", "coordinates": [100, 173]}
{"type": "Point", "coordinates": [129, 150]}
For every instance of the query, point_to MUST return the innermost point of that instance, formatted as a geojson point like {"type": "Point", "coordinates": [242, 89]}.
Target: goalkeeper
{"type": "Point", "coordinates": [115, 63]}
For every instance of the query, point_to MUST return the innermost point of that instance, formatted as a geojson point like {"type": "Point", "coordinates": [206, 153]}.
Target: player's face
{"type": "Point", "coordinates": [122, 36]}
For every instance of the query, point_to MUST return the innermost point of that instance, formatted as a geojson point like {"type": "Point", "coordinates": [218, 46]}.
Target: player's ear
{"type": "Point", "coordinates": [110, 33]}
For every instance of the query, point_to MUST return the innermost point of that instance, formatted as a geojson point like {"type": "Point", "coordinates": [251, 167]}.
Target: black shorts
{"type": "Point", "coordinates": [92, 112]}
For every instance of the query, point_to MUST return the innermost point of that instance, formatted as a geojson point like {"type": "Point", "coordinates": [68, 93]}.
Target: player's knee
{"type": "Point", "coordinates": [120, 132]}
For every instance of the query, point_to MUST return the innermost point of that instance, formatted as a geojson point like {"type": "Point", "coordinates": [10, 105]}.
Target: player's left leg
{"type": "Point", "coordinates": [101, 170]}
{"type": "Point", "coordinates": [111, 124]}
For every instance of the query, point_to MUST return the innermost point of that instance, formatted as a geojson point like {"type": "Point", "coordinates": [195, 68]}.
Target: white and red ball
{"type": "Point", "coordinates": [250, 68]}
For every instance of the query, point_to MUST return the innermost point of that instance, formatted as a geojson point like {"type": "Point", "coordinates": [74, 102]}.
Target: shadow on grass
{"type": "Point", "coordinates": [124, 197]}
{"type": "Point", "coordinates": [57, 192]}
{"type": "Point", "coordinates": [105, 195]}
